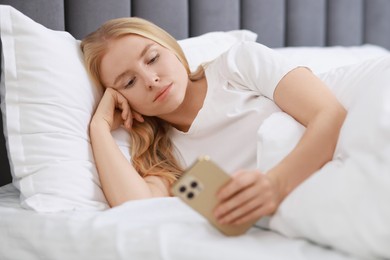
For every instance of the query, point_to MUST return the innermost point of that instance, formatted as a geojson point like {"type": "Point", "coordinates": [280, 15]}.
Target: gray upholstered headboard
{"type": "Point", "coordinates": [278, 23]}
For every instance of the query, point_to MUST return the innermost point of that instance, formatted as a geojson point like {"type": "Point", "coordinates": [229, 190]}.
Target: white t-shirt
{"type": "Point", "coordinates": [241, 83]}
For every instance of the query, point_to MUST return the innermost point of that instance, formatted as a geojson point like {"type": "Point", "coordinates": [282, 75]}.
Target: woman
{"type": "Point", "coordinates": [174, 116]}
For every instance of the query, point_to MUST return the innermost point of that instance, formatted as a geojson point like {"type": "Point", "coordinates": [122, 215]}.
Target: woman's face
{"type": "Point", "coordinates": [150, 76]}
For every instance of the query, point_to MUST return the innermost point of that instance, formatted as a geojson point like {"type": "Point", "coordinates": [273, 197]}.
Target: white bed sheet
{"type": "Point", "coordinates": [163, 228]}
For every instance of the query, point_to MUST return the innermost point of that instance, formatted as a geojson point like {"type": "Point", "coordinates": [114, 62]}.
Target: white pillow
{"type": "Point", "coordinates": [47, 103]}
{"type": "Point", "coordinates": [208, 46]}
{"type": "Point", "coordinates": [345, 205]}
{"type": "Point", "coordinates": [322, 59]}
{"type": "Point", "coordinates": [276, 137]}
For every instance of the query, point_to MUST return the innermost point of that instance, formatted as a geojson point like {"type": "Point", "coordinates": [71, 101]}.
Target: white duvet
{"type": "Point", "coordinates": [163, 228]}
{"type": "Point", "coordinates": [346, 204]}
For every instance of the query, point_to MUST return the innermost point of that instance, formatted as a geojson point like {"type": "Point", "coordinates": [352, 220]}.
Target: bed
{"type": "Point", "coordinates": [51, 203]}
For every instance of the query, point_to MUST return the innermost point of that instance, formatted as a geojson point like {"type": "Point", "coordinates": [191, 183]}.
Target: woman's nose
{"type": "Point", "coordinates": [152, 80]}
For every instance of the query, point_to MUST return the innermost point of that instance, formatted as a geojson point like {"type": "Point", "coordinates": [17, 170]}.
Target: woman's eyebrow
{"type": "Point", "coordinates": [119, 77]}
{"type": "Point", "coordinates": [147, 47]}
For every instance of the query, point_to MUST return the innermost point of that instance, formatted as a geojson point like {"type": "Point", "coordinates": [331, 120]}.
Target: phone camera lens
{"type": "Point", "coordinates": [190, 195]}
{"type": "Point", "coordinates": [182, 189]}
{"type": "Point", "coordinates": [194, 184]}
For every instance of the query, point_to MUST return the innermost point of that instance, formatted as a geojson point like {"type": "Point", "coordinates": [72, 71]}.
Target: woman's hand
{"type": "Point", "coordinates": [114, 110]}
{"type": "Point", "coordinates": [249, 196]}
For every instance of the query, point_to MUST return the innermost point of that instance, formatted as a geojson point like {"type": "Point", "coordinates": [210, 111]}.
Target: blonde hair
{"type": "Point", "coordinates": [152, 151]}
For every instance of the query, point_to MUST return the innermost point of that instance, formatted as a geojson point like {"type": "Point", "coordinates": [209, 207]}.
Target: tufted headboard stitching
{"type": "Point", "coordinates": [278, 23]}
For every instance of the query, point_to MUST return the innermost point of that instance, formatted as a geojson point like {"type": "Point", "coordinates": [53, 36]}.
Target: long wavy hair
{"type": "Point", "coordinates": [152, 152]}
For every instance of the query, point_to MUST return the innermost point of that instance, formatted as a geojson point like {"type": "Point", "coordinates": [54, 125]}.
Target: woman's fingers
{"type": "Point", "coordinates": [239, 209]}
{"type": "Point", "coordinates": [228, 205]}
{"type": "Point", "coordinates": [127, 114]}
{"type": "Point", "coordinates": [239, 181]}
{"type": "Point", "coordinates": [247, 197]}
{"type": "Point", "coordinates": [255, 214]}
{"type": "Point", "coordinates": [121, 108]}
{"type": "Point", "coordinates": [138, 117]}
{"type": "Point", "coordinates": [235, 194]}
{"type": "Point", "coordinates": [117, 120]}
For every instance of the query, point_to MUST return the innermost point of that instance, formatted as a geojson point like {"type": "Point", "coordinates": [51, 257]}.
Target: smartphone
{"type": "Point", "coordinates": [198, 187]}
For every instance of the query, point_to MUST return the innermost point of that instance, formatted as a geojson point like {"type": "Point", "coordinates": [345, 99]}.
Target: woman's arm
{"type": "Point", "coordinates": [252, 194]}
{"type": "Point", "coordinates": [120, 181]}
{"type": "Point", "coordinates": [305, 97]}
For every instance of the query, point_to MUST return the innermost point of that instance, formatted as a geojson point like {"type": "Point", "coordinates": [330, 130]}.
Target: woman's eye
{"type": "Point", "coordinates": [154, 59]}
{"type": "Point", "coordinates": [130, 83]}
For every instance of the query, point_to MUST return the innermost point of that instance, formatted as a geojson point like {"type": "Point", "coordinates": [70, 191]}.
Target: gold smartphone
{"type": "Point", "coordinates": [198, 187]}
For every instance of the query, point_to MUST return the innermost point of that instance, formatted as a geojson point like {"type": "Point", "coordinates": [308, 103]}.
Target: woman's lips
{"type": "Point", "coordinates": [162, 93]}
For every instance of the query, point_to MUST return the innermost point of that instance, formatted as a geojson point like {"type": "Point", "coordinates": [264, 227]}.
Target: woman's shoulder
{"type": "Point", "coordinates": [253, 66]}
